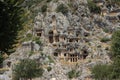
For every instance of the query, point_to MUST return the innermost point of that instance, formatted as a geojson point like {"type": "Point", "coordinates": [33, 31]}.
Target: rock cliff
{"type": "Point", "coordinates": [72, 37]}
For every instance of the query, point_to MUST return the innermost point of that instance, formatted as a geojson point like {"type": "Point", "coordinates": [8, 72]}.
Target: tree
{"type": "Point", "coordinates": [11, 22]}
{"type": "Point", "coordinates": [27, 69]}
{"type": "Point", "coordinates": [1, 60]}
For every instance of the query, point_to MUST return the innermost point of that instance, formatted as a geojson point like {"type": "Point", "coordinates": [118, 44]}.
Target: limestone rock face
{"type": "Point", "coordinates": [72, 40]}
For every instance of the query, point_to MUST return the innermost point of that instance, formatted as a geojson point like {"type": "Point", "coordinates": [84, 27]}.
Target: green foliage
{"type": "Point", "coordinates": [55, 0]}
{"type": "Point", "coordinates": [115, 45]}
{"type": "Point", "coordinates": [48, 1]}
{"type": "Point", "coordinates": [30, 3]}
{"type": "Point", "coordinates": [11, 22]}
{"type": "Point", "coordinates": [30, 53]}
{"type": "Point", "coordinates": [50, 59]}
{"type": "Point", "coordinates": [73, 74]}
{"type": "Point", "coordinates": [93, 7]}
{"type": "Point", "coordinates": [105, 30]}
{"type": "Point", "coordinates": [105, 39]}
{"type": "Point", "coordinates": [115, 54]}
{"type": "Point", "coordinates": [115, 1]}
{"type": "Point", "coordinates": [62, 8]}
{"type": "Point", "coordinates": [110, 72]}
{"type": "Point", "coordinates": [27, 69]}
{"type": "Point", "coordinates": [44, 8]}
{"type": "Point", "coordinates": [102, 72]}
{"type": "Point", "coordinates": [49, 69]}
{"type": "Point", "coordinates": [37, 40]}
{"type": "Point", "coordinates": [1, 60]}
{"type": "Point", "coordinates": [28, 37]}
{"type": "Point", "coordinates": [116, 69]}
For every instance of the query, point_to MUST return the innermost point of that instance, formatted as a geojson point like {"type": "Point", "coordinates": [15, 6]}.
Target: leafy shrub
{"type": "Point", "coordinates": [44, 8]}
{"type": "Point", "coordinates": [37, 40]}
{"type": "Point", "coordinates": [93, 7]}
{"type": "Point", "coordinates": [55, 0]}
{"type": "Point", "coordinates": [49, 69]}
{"type": "Point", "coordinates": [105, 30]}
{"type": "Point", "coordinates": [115, 45]}
{"type": "Point", "coordinates": [105, 39]}
{"type": "Point", "coordinates": [1, 60]}
{"type": "Point", "coordinates": [73, 74]}
{"type": "Point", "coordinates": [116, 69]}
{"type": "Point", "coordinates": [102, 72]}
{"type": "Point", "coordinates": [62, 8]}
{"type": "Point", "coordinates": [30, 53]}
{"type": "Point", "coordinates": [27, 69]}
{"type": "Point", "coordinates": [48, 1]}
{"type": "Point", "coordinates": [28, 37]}
{"type": "Point", "coordinates": [50, 59]}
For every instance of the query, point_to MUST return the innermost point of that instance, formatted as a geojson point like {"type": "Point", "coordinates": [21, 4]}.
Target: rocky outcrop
{"type": "Point", "coordinates": [88, 27]}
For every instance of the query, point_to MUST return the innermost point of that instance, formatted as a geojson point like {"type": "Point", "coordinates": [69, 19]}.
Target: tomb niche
{"type": "Point", "coordinates": [57, 38]}
{"type": "Point", "coordinates": [73, 57]}
{"type": "Point", "coordinates": [55, 54]}
{"type": "Point", "coordinates": [84, 54]}
{"type": "Point", "coordinates": [53, 18]}
{"type": "Point", "coordinates": [39, 32]}
{"type": "Point", "coordinates": [51, 36]}
{"type": "Point", "coordinates": [77, 33]}
{"type": "Point", "coordinates": [70, 40]}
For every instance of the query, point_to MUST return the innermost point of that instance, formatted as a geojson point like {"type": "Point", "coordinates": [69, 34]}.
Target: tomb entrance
{"type": "Point", "coordinates": [51, 36]}
{"type": "Point", "coordinates": [73, 57]}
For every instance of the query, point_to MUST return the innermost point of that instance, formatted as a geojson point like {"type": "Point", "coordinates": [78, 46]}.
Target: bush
{"type": "Point", "coordinates": [62, 8]}
{"type": "Point", "coordinates": [44, 8]}
{"type": "Point", "coordinates": [30, 53]}
{"type": "Point", "coordinates": [50, 59]}
{"type": "Point", "coordinates": [102, 72]}
{"type": "Point", "coordinates": [48, 1]}
{"type": "Point", "coordinates": [73, 74]}
{"type": "Point", "coordinates": [115, 1]}
{"type": "Point", "coordinates": [116, 69]}
{"type": "Point", "coordinates": [115, 47]}
{"type": "Point", "coordinates": [28, 37]}
{"type": "Point", "coordinates": [115, 54]}
{"type": "Point", "coordinates": [105, 39]}
{"type": "Point", "coordinates": [93, 7]}
{"type": "Point", "coordinates": [49, 69]}
{"type": "Point", "coordinates": [27, 69]}
{"type": "Point", "coordinates": [105, 30]}
{"type": "Point", "coordinates": [37, 40]}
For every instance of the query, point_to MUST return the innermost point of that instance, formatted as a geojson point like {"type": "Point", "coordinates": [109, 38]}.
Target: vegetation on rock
{"type": "Point", "coordinates": [27, 69]}
{"type": "Point", "coordinates": [110, 72]}
{"type": "Point", "coordinates": [73, 74]}
{"type": "Point", "coordinates": [62, 8]}
{"type": "Point", "coordinates": [93, 7]}
{"type": "Point", "coordinates": [101, 72]}
{"type": "Point", "coordinates": [105, 39]}
{"type": "Point", "coordinates": [44, 8]}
